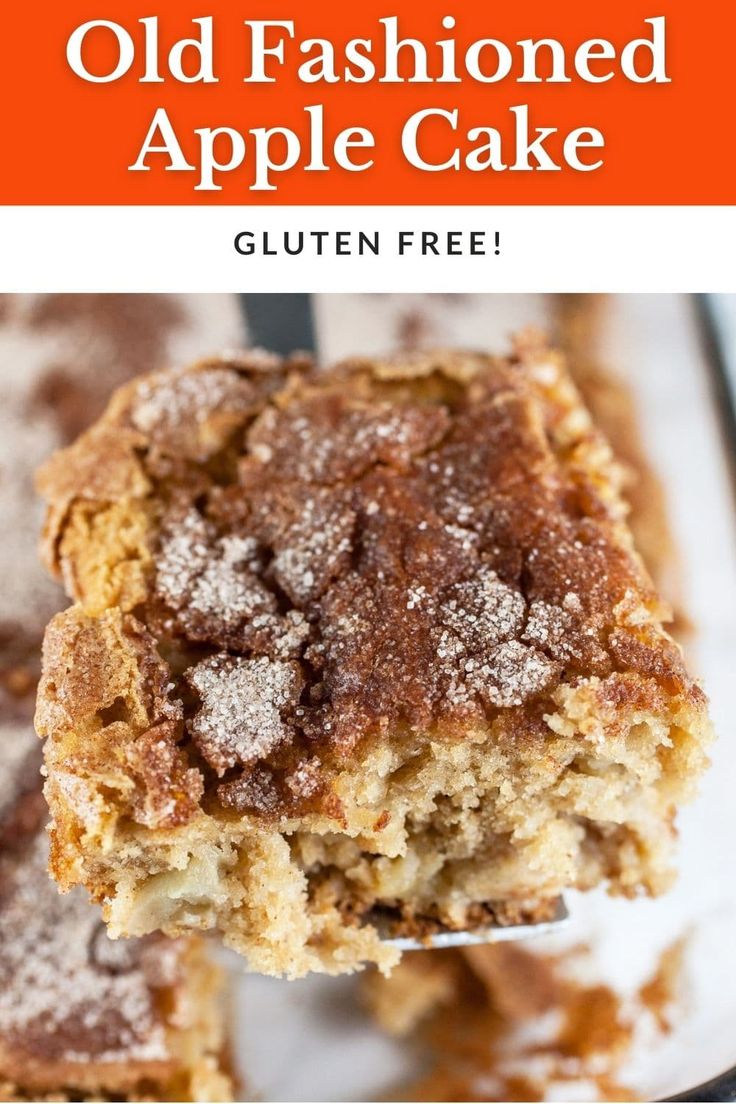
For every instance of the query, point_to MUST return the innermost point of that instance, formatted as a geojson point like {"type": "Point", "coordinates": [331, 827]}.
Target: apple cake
{"type": "Point", "coordinates": [351, 651]}
{"type": "Point", "coordinates": [81, 1016]}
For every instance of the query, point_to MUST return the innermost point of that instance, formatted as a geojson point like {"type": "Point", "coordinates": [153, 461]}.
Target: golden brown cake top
{"type": "Point", "coordinates": [71, 1000]}
{"type": "Point", "coordinates": [308, 559]}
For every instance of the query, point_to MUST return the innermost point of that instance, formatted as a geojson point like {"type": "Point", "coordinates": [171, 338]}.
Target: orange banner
{"type": "Point", "coordinates": [410, 103]}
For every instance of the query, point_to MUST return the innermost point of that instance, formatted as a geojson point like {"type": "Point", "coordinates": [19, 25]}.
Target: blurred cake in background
{"type": "Point", "coordinates": [81, 1016]}
{"type": "Point", "coordinates": [60, 357]}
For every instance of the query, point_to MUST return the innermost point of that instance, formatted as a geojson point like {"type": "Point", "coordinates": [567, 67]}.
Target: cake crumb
{"type": "Point", "coordinates": [501, 1023]}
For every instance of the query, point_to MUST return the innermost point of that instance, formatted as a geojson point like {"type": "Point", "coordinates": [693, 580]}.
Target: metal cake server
{"type": "Point", "coordinates": [491, 933]}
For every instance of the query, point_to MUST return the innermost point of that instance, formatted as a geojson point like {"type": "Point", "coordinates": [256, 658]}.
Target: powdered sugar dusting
{"type": "Point", "coordinates": [183, 398]}
{"type": "Point", "coordinates": [511, 674]}
{"type": "Point", "coordinates": [304, 780]}
{"type": "Point", "coordinates": [548, 625]}
{"type": "Point", "coordinates": [478, 654]}
{"type": "Point", "coordinates": [423, 557]}
{"type": "Point", "coordinates": [255, 791]}
{"type": "Point", "coordinates": [212, 584]}
{"type": "Point", "coordinates": [314, 547]}
{"type": "Point", "coordinates": [198, 570]}
{"type": "Point", "coordinates": [18, 742]}
{"type": "Point", "coordinates": [227, 587]}
{"type": "Point", "coordinates": [183, 556]}
{"type": "Point", "coordinates": [274, 793]}
{"type": "Point", "coordinates": [215, 577]}
{"type": "Point", "coordinates": [241, 718]}
{"type": "Point", "coordinates": [60, 356]}
{"type": "Point", "coordinates": [66, 992]}
{"type": "Point", "coordinates": [31, 598]}
{"type": "Point", "coordinates": [483, 611]}
{"type": "Point", "coordinates": [563, 632]}
{"type": "Point", "coordinates": [325, 440]}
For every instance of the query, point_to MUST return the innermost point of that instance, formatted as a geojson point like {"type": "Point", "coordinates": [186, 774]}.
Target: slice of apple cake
{"type": "Point", "coordinates": [354, 648]}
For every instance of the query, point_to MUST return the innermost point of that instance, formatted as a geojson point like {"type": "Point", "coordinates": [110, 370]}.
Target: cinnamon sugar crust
{"type": "Point", "coordinates": [375, 638]}
{"type": "Point", "coordinates": [82, 1016]}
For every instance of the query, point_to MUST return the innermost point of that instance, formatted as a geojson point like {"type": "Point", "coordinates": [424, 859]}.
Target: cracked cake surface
{"type": "Point", "coordinates": [370, 640]}
{"type": "Point", "coordinates": [81, 1015]}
